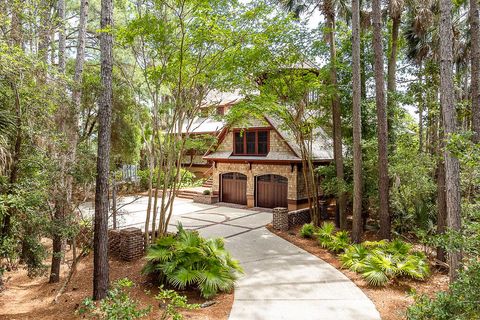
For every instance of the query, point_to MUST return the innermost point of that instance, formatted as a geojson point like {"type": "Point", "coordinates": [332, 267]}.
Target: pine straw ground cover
{"type": "Point", "coordinates": [392, 300]}
{"type": "Point", "coordinates": [25, 298]}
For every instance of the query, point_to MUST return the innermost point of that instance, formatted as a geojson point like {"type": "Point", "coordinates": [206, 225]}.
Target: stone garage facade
{"type": "Point", "coordinates": [260, 165]}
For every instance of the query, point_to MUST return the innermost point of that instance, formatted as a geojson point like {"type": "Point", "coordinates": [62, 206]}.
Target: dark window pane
{"type": "Point", "coordinates": [239, 176]}
{"type": "Point", "coordinates": [265, 178]}
{"type": "Point", "coordinates": [280, 179]}
{"type": "Point", "coordinates": [262, 142]}
{"type": "Point", "coordinates": [228, 176]}
{"type": "Point", "coordinates": [251, 136]}
{"type": "Point", "coordinates": [238, 143]}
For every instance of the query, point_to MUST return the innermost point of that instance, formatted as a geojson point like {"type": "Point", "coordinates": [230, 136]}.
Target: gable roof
{"type": "Point", "coordinates": [322, 147]}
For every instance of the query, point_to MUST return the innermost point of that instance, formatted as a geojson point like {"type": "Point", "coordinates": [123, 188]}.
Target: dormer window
{"type": "Point", "coordinates": [251, 142]}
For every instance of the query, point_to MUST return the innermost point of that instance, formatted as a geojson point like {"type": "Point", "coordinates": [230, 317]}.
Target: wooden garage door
{"type": "Point", "coordinates": [234, 188]}
{"type": "Point", "coordinates": [272, 191]}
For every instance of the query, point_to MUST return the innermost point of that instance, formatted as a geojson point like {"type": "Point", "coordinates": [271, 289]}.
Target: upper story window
{"type": "Point", "coordinates": [251, 142]}
{"type": "Point", "coordinates": [221, 110]}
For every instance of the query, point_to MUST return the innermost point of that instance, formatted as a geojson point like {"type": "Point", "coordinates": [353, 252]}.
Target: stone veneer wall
{"type": "Point", "coordinates": [256, 170]}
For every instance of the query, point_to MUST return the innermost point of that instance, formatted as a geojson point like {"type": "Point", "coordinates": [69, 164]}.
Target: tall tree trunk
{"type": "Point", "coordinates": [100, 239]}
{"type": "Point", "coordinates": [441, 196]}
{"type": "Point", "coordinates": [392, 76]}
{"type": "Point", "coordinates": [15, 40]}
{"type": "Point", "coordinates": [420, 111]}
{"type": "Point", "coordinates": [337, 122]}
{"type": "Point", "coordinates": [61, 193]}
{"type": "Point", "coordinates": [475, 61]}
{"type": "Point", "coordinates": [382, 131]}
{"type": "Point", "coordinates": [43, 33]}
{"type": "Point", "coordinates": [357, 125]}
{"type": "Point", "coordinates": [363, 70]}
{"type": "Point", "coordinates": [447, 101]}
{"type": "Point", "coordinates": [80, 59]}
{"type": "Point", "coordinates": [16, 32]}
{"type": "Point", "coordinates": [61, 36]}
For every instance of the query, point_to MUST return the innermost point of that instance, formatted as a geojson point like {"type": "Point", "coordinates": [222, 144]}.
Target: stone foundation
{"type": "Point", "coordinates": [284, 220]}
{"type": "Point", "coordinates": [205, 199]}
{"type": "Point", "coordinates": [298, 217]}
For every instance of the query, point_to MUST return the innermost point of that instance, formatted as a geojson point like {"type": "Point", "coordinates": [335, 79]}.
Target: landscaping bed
{"type": "Point", "coordinates": [392, 300]}
{"type": "Point", "coordinates": [25, 298]}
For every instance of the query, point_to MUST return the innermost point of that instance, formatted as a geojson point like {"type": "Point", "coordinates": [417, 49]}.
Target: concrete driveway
{"type": "Point", "coordinates": [281, 281]}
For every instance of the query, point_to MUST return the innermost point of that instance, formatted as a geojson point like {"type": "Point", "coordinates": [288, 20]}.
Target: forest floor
{"type": "Point", "coordinates": [25, 298]}
{"type": "Point", "coordinates": [392, 300]}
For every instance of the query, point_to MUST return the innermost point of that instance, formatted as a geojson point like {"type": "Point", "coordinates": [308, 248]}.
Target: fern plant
{"type": "Point", "coordinates": [188, 260]}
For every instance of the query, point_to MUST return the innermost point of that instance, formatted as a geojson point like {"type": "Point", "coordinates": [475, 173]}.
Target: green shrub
{"type": "Point", "coordinates": [188, 260]}
{"type": "Point", "coordinates": [340, 242]}
{"type": "Point", "coordinates": [336, 242]}
{"type": "Point", "coordinates": [188, 179]}
{"type": "Point", "coordinates": [380, 261]}
{"type": "Point", "coordinates": [325, 234]}
{"type": "Point", "coordinates": [171, 301]}
{"type": "Point", "coordinates": [354, 257]}
{"type": "Point", "coordinates": [206, 192]}
{"type": "Point", "coordinates": [461, 302]}
{"type": "Point", "coordinates": [116, 306]}
{"type": "Point", "coordinates": [307, 230]}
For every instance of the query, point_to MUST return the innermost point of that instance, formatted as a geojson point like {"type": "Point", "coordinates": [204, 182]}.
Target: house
{"type": "Point", "coordinates": [209, 123]}
{"type": "Point", "coordinates": [261, 166]}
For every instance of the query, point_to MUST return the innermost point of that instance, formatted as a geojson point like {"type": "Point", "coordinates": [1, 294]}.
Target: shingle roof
{"type": "Point", "coordinates": [271, 156]}
{"type": "Point", "coordinates": [204, 125]}
{"type": "Point", "coordinates": [322, 145]}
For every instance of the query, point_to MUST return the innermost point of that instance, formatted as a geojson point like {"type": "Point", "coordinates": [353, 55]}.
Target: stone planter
{"type": "Point", "coordinates": [280, 219]}
{"type": "Point", "coordinates": [205, 198]}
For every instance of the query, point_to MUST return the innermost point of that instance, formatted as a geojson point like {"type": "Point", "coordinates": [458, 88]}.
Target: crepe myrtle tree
{"type": "Point", "coordinates": [183, 50]}
{"type": "Point", "coordinates": [296, 98]}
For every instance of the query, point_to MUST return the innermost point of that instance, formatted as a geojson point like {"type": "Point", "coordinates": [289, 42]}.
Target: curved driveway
{"type": "Point", "coordinates": [281, 281]}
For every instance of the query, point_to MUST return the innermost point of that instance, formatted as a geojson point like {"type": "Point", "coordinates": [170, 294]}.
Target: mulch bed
{"type": "Point", "coordinates": [392, 300]}
{"type": "Point", "coordinates": [25, 298]}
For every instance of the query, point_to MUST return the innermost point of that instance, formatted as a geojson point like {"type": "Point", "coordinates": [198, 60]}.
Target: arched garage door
{"type": "Point", "coordinates": [272, 191]}
{"type": "Point", "coordinates": [234, 188]}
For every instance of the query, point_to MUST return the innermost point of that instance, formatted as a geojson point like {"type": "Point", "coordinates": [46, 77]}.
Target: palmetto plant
{"type": "Point", "coordinates": [380, 261]}
{"type": "Point", "coordinates": [307, 230]}
{"type": "Point", "coordinates": [325, 234]}
{"type": "Point", "coordinates": [354, 257]}
{"type": "Point", "coordinates": [336, 242]}
{"type": "Point", "coordinates": [340, 241]}
{"type": "Point", "coordinates": [188, 260]}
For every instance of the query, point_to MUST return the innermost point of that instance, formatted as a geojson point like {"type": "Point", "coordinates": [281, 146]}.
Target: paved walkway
{"type": "Point", "coordinates": [281, 281]}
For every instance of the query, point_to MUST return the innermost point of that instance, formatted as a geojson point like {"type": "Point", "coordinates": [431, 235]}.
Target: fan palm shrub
{"type": "Point", "coordinates": [307, 230]}
{"type": "Point", "coordinates": [188, 260]}
{"type": "Point", "coordinates": [380, 261]}
{"type": "Point", "coordinates": [354, 257]}
{"type": "Point", "coordinates": [325, 234]}
{"type": "Point", "coordinates": [336, 242]}
{"type": "Point", "coordinates": [340, 242]}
